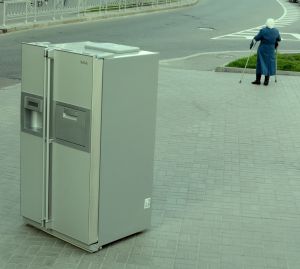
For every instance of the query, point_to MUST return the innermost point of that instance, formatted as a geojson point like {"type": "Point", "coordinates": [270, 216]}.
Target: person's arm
{"type": "Point", "coordinates": [256, 38]}
{"type": "Point", "coordinates": [278, 39]}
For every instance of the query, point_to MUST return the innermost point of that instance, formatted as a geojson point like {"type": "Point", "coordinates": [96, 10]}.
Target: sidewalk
{"type": "Point", "coordinates": [1, 12]}
{"type": "Point", "coordinates": [46, 19]}
{"type": "Point", "coordinates": [226, 187]}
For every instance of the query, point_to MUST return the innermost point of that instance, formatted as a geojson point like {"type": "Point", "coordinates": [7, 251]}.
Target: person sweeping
{"type": "Point", "coordinates": [269, 38]}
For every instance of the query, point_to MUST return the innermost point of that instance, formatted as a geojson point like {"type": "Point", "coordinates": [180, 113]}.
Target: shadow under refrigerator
{"type": "Point", "coordinates": [88, 113]}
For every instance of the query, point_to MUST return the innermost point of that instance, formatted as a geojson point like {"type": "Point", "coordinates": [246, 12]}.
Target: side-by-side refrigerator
{"type": "Point", "coordinates": [88, 115]}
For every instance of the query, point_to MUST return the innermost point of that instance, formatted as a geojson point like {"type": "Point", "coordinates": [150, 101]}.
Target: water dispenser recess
{"type": "Point", "coordinates": [36, 121]}
{"type": "Point", "coordinates": [32, 114]}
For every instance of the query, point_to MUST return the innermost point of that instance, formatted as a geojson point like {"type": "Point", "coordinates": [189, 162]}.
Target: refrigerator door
{"type": "Point", "coordinates": [77, 82]}
{"type": "Point", "coordinates": [32, 147]}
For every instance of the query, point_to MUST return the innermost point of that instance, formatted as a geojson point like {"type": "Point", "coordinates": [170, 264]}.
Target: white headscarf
{"type": "Point", "coordinates": [270, 23]}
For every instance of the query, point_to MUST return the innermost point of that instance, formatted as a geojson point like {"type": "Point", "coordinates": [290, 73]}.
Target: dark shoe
{"type": "Point", "coordinates": [266, 82]}
{"type": "Point", "coordinates": [257, 80]}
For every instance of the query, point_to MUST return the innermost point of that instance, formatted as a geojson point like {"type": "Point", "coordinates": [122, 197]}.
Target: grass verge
{"type": "Point", "coordinates": [285, 62]}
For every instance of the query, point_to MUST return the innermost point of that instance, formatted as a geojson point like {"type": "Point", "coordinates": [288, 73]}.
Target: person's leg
{"type": "Point", "coordinates": [266, 82]}
{"type": "Point", "coordinates": [257, 80]}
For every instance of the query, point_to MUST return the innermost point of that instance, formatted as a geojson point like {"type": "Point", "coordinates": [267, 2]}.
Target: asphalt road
{"type": "Point", "coordinates": [175, 33]}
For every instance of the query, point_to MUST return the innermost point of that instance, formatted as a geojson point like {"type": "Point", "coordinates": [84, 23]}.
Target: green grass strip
{"type": "Point", "coordinates": [285, 62]}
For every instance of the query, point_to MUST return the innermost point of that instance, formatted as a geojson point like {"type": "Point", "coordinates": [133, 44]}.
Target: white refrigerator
{"type": "Point", "coordinates": [88, 113]}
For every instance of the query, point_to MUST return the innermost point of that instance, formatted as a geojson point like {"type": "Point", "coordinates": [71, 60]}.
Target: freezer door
{"type": "Point", "coordinates": [77, 82]}
{"type": "Point", "coordinates": [31, 141]}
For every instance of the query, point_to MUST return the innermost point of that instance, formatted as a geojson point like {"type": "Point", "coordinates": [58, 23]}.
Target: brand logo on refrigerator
{"type": "Point", "coordinates": [84, 62]}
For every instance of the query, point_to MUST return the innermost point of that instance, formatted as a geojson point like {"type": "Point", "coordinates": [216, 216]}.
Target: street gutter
{"type": "Point", "coordinates": [252, 71]}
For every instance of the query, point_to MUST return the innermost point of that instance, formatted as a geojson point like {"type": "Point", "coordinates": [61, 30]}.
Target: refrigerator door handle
{"type": "Point", "coordinates": [46, 138]}
{"type": "Point", "coordinates": [44, 143]}
{"type": "Point", "coordinates": [68, 116]}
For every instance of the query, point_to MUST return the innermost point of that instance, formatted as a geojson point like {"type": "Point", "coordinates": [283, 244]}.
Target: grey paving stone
{"type": "Point", "coordinates": [226, 181]}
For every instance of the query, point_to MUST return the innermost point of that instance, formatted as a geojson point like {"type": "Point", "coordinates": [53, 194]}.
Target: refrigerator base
{"type": "Point", "coordinates": [90, 248]}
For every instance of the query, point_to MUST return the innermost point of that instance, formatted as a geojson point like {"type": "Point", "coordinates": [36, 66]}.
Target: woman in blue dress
{"type": "Point", "coordinates": [266, 62]}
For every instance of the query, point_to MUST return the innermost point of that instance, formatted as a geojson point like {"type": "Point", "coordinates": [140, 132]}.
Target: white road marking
{"type": "Point", "coordinates": [291, 14]}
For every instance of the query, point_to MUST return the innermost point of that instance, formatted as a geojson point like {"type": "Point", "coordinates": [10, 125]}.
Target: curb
{"type": "Point", "coordinates": [252, 71]}
{"type": "Point", "coordinates": [90, 18]}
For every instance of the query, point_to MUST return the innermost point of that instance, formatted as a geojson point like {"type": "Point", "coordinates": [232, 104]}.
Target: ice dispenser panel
{"type": "Point", "coordinates": [72, 126]}
{"type": "Point", "coordinates": [32, 114]}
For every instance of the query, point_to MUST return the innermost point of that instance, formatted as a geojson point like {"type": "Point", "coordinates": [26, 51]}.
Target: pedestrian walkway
{"type": "Point", "coordinates": [1, 12]}
{"type": "Point", "coordinates": [18, 18]}
{"type": "Point", "coordinates": [226, 184]}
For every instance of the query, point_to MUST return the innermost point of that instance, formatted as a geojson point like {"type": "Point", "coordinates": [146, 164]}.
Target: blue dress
{"type": "Point", "coordinates": [266, 62]}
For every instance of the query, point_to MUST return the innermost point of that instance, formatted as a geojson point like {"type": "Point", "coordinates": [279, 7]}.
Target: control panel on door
{"type": "Point", "coordinates": [72, 126]}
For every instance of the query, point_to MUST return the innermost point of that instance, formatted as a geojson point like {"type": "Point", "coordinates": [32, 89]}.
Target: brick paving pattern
{"type": "Point", "coordinates": [226, 187]}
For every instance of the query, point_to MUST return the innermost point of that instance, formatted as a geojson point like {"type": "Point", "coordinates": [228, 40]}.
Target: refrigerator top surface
{"type": "Point", "coordinates": [111, 47]}
{"type": "Point", "coordinates": [99, 50]}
